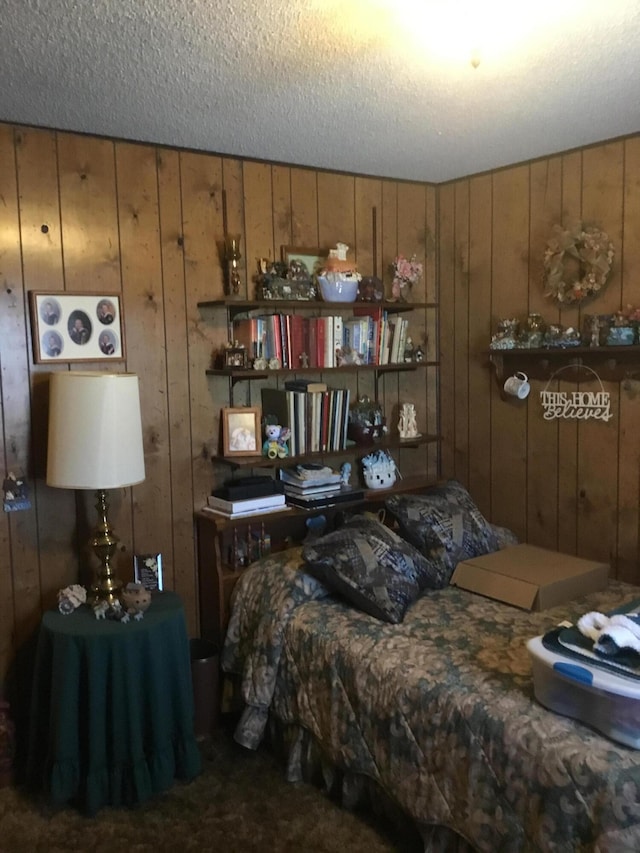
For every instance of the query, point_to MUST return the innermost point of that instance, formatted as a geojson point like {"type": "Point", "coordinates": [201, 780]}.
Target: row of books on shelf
{"type": "Point", "coordinates": [371, 336]}
{"type": "Point", "coordinates": [317, 416]}
{"type": "Point", "coordinates": [305, 486]}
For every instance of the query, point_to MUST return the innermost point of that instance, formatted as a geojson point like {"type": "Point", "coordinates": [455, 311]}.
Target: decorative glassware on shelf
{"type": "Point", "coordinates": [534, 333]}
{"type": "Point", "coordinates": [556, 336]}
{"type": "Point", "coordinates": [507, 334]}
{"type": "Point", "coordinates": [367, 423]}
{"type": "Point", "coordinates": [232, 256]}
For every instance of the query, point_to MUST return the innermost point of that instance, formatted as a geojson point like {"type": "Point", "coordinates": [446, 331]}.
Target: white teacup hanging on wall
{"type": "Point", "coordinates": [518, 386]}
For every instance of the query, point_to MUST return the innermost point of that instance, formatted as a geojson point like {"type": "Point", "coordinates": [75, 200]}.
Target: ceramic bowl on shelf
{"type": "Point", "coordinates": [338, 289]}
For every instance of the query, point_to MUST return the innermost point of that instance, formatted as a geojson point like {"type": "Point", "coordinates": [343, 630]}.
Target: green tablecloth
{"type": "Point", "coordinates": [112, 707]}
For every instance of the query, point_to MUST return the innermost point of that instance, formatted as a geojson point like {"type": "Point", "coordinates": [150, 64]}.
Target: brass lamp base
{"type": "Point", "coordinates": [106, 586]}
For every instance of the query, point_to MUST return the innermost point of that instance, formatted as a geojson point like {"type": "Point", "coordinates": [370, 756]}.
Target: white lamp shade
{"type": "Point", "coordinates": [95, 431]}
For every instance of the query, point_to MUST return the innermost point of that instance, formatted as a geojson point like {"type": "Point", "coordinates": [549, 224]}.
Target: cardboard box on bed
{"type": "Point", "coordinates": [530, 577]}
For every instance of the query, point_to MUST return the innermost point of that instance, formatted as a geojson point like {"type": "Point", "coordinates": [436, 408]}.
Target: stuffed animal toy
{"type": "Point", "coordinates": [275, 445]}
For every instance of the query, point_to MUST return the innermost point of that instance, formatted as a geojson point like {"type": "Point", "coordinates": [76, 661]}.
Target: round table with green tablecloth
{"type": "Point", "coordinates": [112, 707]}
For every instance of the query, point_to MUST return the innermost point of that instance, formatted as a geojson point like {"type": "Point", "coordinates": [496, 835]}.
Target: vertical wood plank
{"type": "Point", "coordinates": [368, 197]}
{"type": "Point", "coordinates": [429, 342]}
{"type": "Point", "coordinates": [14, 386]}
{"type": "Point", "coordinates": [479, 307]}
{"type": "Point", "coordinates": [183, 559]}
{"type": "Point", "coordinates": [281, 210]}
{"type": "Point", "coordinates": [447, 342]}
{"type": "Point", "coordinates": [628, 447]}
{"type": "Point", "coordinates": [510, 248]}
{"type": "Point", "coordinates": [304, 208]}
{"type": "Point", "coordinates": [568, 430]}
{"type": "Point", "coordinates": [201, 195]}
{"type": "Point", "coordinates": [89, 214]}
{"type": "Point", "coordinates": [258, 215]}
{"type": "Point", "coordinates": [461, 325]}
{"type": "Point", "coordinates": [233, 187]}
{"type": "Point", "coordinates": [602, 204]}
{"type": "Point", "coordinates": [542, 492]}
{"type": "Point", "coordinates": [336, 211]}
{"type": "Point", "coordinates": [412, 387]}
{"type": "Point", "coordinates": [40, 237]}
{"type": "Point", "coordinates": [142, 286]}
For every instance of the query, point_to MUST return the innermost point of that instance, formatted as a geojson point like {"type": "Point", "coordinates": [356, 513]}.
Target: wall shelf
{"type": "Point", "coordinates": [235, 374]}
{"type": "Point", "coordinates": [260, 461]}
{"type": "Point", "coordinates": [612, 364]}
{"type": "Point", "coordinates": [237, 306]}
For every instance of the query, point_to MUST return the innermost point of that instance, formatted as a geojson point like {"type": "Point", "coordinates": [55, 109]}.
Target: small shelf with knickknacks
{"type": "Point", "coordinates": [608, 344]}
{"type": "Point", "coordinates": [237, 306]}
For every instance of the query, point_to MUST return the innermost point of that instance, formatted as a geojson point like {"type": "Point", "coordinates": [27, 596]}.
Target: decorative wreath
{"type": "Point", "coordinates": [577, 263]}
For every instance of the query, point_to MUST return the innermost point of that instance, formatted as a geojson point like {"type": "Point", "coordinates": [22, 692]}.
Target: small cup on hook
{"type": "Point", "coordinates": [518, 386]}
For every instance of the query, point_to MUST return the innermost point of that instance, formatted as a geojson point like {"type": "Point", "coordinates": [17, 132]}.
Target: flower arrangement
{"type": "Point", "coordinates": [405, 274]}
{"type": "Point", "coordinates": [577, 263]}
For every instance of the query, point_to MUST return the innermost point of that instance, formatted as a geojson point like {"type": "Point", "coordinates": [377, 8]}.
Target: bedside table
{"type": "Point", "coordinates": [112, 707]}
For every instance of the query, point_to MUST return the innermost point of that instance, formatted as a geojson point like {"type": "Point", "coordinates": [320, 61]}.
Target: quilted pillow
{"type": "Point", "coordinates": [444, 524]}
{"type": "Point", "coordinates": [371, 567]}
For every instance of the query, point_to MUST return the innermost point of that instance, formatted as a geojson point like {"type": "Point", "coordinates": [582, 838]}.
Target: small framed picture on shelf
{"type": "Point", "coordinates": [296, 256]}
{"type": "Point", "coordinates": [68, 327]}
{"type": "Point", "coordinates": [147, 570]}
{"type": "Point", "coordinates": [235, 357]}
{"type": "Point", "coordinates": [241, 431]}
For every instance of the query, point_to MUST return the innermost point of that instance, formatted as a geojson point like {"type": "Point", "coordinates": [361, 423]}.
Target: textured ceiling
{"type": "Point", "coordinates": [377, 87]}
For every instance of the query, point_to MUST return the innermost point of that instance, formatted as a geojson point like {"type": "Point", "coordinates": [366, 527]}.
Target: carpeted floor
{"type": "Point", "coordinates": [241, 802]}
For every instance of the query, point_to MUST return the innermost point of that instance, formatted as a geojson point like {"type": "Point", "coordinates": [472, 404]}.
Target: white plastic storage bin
{"type": "Point", "coordinates": [610, 703]}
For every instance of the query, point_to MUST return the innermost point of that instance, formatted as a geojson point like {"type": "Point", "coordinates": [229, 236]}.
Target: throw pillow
{"type": "Point", "coordinates": [371, 567]}
{"type": "Point", "coordinates": [444, 524]}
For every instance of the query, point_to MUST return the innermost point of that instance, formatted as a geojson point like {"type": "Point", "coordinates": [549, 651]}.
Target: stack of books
{"type": "Point", "coordinates": [377, 336]}
{"type": "Point", "coordinates": [314, 486]}
{"type": "Point", "coordinates": [317, 416]}
{"type": "Point", "coordinates": [237, 500]}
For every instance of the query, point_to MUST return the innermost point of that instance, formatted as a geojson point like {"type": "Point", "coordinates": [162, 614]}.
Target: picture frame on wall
{"type": "Point", "coordinates": [241, 431]}
{"type": "Point", "coordinates": [147, 570]}
{"type": "Point", "coordinates": [73, 327]}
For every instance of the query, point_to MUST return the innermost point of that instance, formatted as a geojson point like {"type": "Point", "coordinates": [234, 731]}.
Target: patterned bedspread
{"type": "Point", "coordinates": [438, 710]}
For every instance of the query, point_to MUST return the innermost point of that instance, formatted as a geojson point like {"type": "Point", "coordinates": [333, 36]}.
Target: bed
{"type": "Point", "coordinates": [434, 712]}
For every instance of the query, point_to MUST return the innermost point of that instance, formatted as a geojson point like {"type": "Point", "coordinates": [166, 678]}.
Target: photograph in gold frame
{"type": "Point", "coordinates": [241, 431]}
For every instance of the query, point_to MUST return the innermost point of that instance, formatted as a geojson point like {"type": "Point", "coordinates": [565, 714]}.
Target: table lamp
{"type": "Point", "coordinates": [95, 442]}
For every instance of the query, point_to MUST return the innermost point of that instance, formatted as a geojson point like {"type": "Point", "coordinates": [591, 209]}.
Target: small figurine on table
{"type": "Point", "coordinates": [345, 473]}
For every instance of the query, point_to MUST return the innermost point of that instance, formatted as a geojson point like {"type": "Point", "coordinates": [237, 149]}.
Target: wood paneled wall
{"type": "Point", "coordinates": [567, 485]}
{"type": "Point", "coordinates": [86, 213]}
{"type": "Point", "coordinates": [81, 213]}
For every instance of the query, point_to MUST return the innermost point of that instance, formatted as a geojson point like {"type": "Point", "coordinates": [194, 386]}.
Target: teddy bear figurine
{"type": "Point", "coordinates": [275, 445]}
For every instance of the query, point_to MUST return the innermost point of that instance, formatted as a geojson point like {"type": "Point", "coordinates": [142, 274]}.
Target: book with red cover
{"type": "Point", "coordinates": [296, 329]}
{"type": "Point", "coordinates": [321, 330]}
{"type": "Point", "coordinates": [312, 345]}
